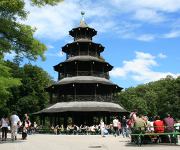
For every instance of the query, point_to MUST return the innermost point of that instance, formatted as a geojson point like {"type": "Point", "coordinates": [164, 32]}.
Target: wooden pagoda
{"type": "Point", "coordinates": [83, 91]}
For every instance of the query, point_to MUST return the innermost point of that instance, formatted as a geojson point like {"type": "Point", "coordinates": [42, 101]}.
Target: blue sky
{"type": "Point", "coordinates": [141, 37]}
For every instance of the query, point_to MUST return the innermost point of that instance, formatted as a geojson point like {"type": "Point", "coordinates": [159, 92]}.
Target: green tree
{"type": "Point", "coordinates": [30, 96]}
{"type": "Point", "coordinates": [16, 36]}
{"type": "Point", "coordinates": [6, 82]}
{"type": "Point", "coordinates": [159, 97]}
{"type": "Point", "coordinates": [19, 38]}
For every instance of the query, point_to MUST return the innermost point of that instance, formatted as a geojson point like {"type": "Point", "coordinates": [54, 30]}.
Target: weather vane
{"type": "Point", "coordinates": [82, 13]}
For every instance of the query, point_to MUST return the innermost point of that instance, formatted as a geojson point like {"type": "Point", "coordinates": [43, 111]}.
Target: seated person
{"type": "Point", "coordinates": [169, 123]}
{"type": "Point", "coordinates": [159, 128]}
{"type": "Point", "coordinates": [61, 129]}
{"type": "Point", "coordinates": [158, 125]}
{"type": "Point", "coordinates": [177, 125]}
{"type": "Point", "coordinates": [56, 129]}
{"type": "Point", "coordinates": [75, 129]}
{"type": "Point", "coordinates": [70, 129]}
{"type": "Point", "coordinates": [92, 129]}
{"type": "Point", "coordinates": [139, 125]}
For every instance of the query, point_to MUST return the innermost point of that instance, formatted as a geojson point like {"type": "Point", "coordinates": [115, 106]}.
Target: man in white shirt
{"type": "Point", "coordinates": [15, 121]}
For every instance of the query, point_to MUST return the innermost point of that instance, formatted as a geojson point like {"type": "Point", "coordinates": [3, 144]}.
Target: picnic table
{"type": "Point", "coordinates": [138, 137]}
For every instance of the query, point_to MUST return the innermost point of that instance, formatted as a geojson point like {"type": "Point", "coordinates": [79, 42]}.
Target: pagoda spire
{"type": "Point", "coordinates": [82, 22]}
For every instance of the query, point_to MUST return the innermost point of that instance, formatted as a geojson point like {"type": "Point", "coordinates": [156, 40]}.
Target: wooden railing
{"type": "Point", "coordinates": [99, 98]}
{"type": "Point", "coordinates": [85, 73]}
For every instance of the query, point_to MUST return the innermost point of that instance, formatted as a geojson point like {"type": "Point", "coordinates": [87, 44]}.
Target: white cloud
{"type": "Point", "coordinates": [158, 5]}
{"type": "Point", "coordinates": [50, 46]}
{"type": "Point", "coordinates": [161, 55]}
{"type": "Point", "coordinates": [145, 37]}
{"type": "Point", "coordinates": [55, 22]}
{"type": "Point", "coordinates": [58, 54]}
{"type": "Point", "coordinates": [172, 34]}
{"type": "Point", "coordinates": [148, 15]}
{"type": "Point", "coordinates": [140, 69]}
{"type": "Point", "coordinates": [126, 30]}
{"type": "Point", "coordinates": [117, 16]}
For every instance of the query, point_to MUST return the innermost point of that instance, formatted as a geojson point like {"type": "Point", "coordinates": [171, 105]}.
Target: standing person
{"type": "Point", "coordinates": [27, 123]}
{"type": "Point", "coordinates": [124, 127]}
{"type": "Point", "coordinates": [35, 127]}
{"type": "Point", "coordinates": [115, 126]}
{"type": "Point", "coordinates": [15, 121]}
{"type": "Point", "coordinates": [119, 128]}
{"type": "Point", "coordinates": [102, 127]}
{"type": "Point", "coordinates": [132, 118]}
{"type": "Point", "coordinates": [4, 126]}
{"type": "Point", "coordinates": [24, 131]}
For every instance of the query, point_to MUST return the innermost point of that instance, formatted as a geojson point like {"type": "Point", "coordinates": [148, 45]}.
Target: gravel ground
{"type": "Point", "coordinates": [78, 142]}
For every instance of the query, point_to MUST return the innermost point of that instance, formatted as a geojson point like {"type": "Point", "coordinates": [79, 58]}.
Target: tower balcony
{"type": "Point", "coordinates": [99, 98]}
{"type": "Point", "coordinates": [84, 73]}
{"type": "Point", "coordinates": [84, 53]}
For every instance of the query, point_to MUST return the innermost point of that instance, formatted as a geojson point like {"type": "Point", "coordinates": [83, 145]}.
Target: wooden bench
{"type": "Point", "coordinates": [44, 130]}
{"type": "Point", "coordinates": [138, 138]}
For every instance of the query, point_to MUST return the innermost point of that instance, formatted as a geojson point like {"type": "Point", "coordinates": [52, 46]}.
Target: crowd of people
{"type": "Point", "coordinates": [15, 125]}
{"type": "Point", "coordinates": [124, 126]}
{"type": "Point", "coordinates": [141, 123]}
{"type": "Point", "coordinates": [133, 123]}
{"type": "Point", "coordinates": [164, 128]}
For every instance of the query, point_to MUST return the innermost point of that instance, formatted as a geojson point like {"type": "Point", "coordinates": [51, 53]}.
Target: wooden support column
{"type": "Point", "coordinates": [88, 49]}
{"type": "Point", "coordinates": [96, 86]}
{"type": "Point", "coordinates": [43, 120]}
{"type": "Point", "coordinates": [65, 119]}
{"type": "Point", "coordinates": [51, 97]}
{"type": "Point", "coordinates": [74, 86]}
{"type": "Point", "coordinates": [58, 118]}
{"type": "Point", "coordinates": [50, 119]}
{"type": "Point", "coordinates": [77, 69]}
{"type": "Point", "coordinates": [55, 119]}
{"type": "Point", "coordinates": [108, 118]}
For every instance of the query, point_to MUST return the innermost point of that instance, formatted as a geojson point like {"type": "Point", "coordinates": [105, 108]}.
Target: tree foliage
{"type": "Point", "coordinates": [18, 38]}
{"type": "Point", "coordinates": [45, 2]}
{"type": "Point", "coordinates": [6, 82]}
{"type": "Point", "coordinates": [30, 96]}
{"type": "Point", "coordinates": [159, 97]}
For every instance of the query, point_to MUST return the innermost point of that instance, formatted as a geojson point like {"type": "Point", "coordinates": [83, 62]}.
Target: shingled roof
{"type": "Point", "coordinates": [84, 79]}
{"type": "Point", "coordinates": [84, 58]}
{"type": "Point", "coordinates": [85, 106]}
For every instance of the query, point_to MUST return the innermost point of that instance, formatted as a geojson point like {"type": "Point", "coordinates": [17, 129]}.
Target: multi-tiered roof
{"type": "Point", "coordinates": [83, 78]}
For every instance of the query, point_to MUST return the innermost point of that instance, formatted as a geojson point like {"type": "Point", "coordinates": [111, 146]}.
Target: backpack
{"type": "Point", "coordinates": [129, 122]}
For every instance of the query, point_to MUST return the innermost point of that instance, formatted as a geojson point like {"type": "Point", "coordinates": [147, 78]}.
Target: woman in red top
{"type": "Point", "coordinates": [158, 125]}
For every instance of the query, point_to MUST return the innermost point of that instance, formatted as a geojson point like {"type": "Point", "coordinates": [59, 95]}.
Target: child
{"type": "Point", "coordinates": [24, 131]}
